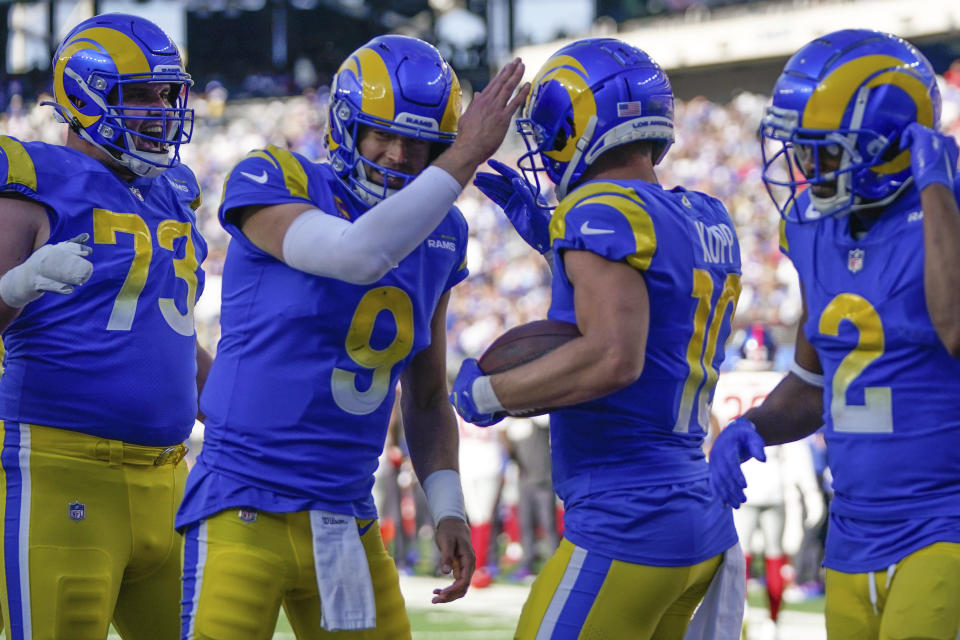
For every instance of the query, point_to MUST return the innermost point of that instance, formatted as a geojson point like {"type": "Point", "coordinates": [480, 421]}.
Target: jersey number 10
{"type": "Point", "coordinates": [702, 348]}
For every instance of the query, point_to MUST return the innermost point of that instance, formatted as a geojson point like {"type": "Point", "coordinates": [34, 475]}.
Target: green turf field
{"type": "Point", "coordinates": [440, 624]}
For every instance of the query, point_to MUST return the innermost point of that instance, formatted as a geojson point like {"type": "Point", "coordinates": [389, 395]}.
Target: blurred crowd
{"type": "Point", "coordinates": [717, 151]}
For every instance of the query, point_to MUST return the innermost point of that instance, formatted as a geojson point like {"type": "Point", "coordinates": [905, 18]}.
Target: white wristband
{"type": "Point", "coordinates": [444, 495]}
{"type": "Point", "coordinates": [484, 397]}
{"type": "Point", "coordinates": [811, 378]}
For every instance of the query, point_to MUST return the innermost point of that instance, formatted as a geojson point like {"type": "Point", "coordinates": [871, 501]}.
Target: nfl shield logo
{"type": "Point", "coordinates": [247, 515]}
{"type": "Point", "coordinates": [855, 260]}
{"type": "Point", "coordinates": [77, 511]}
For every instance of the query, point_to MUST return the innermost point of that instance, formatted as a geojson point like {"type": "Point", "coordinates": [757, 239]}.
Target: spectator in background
{"type": "Point", "coordinates": [391, 492]}
{"type": "Point", "coordinates": [529, 446]}
{"type": "Point", "coordinates": [952, 75]}
{"type": "Point", "coordinates": [783, 496]}
{"type": "Point", "coordinates": [482, 459]}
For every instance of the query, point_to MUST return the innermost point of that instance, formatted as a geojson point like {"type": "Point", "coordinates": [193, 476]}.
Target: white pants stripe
{"type": "Point", "coordinates": [570, 575]}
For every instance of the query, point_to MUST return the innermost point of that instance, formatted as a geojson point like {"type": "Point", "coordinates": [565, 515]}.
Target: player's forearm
{"type": "Point", "coordinates": [576, 372]}
{"type": "Point", "coordinates": [364, 251]}
{"type": "Point", "coordinates": [793, 410]}
{"type": "Point", "coordinates": [461, 162]}
{"type": "Point", "coordinates": [432, 438]}
{"type": "Point", "coordinates": [941, 265]}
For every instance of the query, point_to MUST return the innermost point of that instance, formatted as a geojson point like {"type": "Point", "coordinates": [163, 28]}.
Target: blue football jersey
{"type": "Point", "coordinates": [891, 390]}
{"type": "Point", "coordinates": [299, 397]}
{"type": "Point", "coordinates": [117, 357]}
{"type": "Point", "coordinates": [629, 466]}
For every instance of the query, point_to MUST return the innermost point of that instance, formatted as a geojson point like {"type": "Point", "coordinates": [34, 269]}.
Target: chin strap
{"type": "Point", "coordinates": [370, 192]}
{"type": "Point", "coordinates": [582, 145]}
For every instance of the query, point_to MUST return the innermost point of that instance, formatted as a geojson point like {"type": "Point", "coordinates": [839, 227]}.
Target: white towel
{"type": "Point", "coordinates": [343, 575]}
{"type": "Point", "coordinates": [720, 616]}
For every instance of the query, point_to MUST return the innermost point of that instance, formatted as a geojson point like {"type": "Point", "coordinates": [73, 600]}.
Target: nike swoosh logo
{"type": "Point", "coordinates": [363, 529]}
{"type": "Point", "coordinates": [262, 178]}
{"type": "Point", "coordinates": [587, 230]}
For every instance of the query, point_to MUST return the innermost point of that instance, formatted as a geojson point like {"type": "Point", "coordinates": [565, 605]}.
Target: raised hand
{"type": "Point", "coordinates": [484, 124]}
{"type": "Point", "coordinates": [736, 444]}
{"type": "Point", "coordinates": [933, 155]}
{"type": "Point", "coordinates": [525, 210]}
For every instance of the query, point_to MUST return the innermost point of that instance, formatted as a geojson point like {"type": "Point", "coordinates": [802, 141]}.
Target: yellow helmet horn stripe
{"type": "Point", "coordinates": [829, 101]}
{"type": "Point", "coordinates": [826, 106]}
{"type": "Point", "coordinates": [124, 52]}
{"type": "Point", "coordinates": [555, 63]}
{"type": "Point", "coordinates": [451, 114]}
{"type": "Point", "coordinates": [372, 72]}
{"type": "Point", "coordinates": [568, 71]}
{"type": "Point", "coordinates": [915, 88]}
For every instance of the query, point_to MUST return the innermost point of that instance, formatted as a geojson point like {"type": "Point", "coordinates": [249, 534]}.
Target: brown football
{"type": "Point", "coordinates": [525, 343]}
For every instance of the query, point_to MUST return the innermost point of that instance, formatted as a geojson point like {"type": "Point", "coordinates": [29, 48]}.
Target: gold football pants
{"type": "Point", "coordinates": [919, 597]}
{"type": "Point", "coordinates": [241, 565]}
{"type": "Point", "coordinates": [88, 536]}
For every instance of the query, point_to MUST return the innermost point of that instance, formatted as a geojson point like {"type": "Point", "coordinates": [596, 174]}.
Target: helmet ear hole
{"type": "Point", "coordinates": [564, 133]}
{"type": "Point", "coordinates": [892, 150]}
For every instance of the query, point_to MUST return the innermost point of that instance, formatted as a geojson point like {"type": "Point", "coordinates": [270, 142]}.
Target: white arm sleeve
{"type": "Point", "coordinates": [364, 251]}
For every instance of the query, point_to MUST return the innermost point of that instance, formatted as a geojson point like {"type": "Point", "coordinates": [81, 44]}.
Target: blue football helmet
{"type": "Point", "coordinates": [97, 60]}
{"type": "Point", "coordinates": [835, 121]}
{"type": "Point", "coordinates": [397, 84]}
{"type": "Point", "coordinates": [589, 97]}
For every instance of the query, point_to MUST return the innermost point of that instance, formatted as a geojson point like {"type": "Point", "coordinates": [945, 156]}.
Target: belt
{"type": "Point", "coordinates": [170, 455]}
{"type": "Point", "coordinates": [75, 444]}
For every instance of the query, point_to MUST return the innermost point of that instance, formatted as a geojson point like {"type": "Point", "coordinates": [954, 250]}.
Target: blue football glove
{"type": "Point", "coordinates": [522, 206]}
{"type": "Point", "coordinates": [736, 444]}
{"type": "Point", "coordinates": [461, 397]}
{"type": "Point", "coordinates": [933, 155]}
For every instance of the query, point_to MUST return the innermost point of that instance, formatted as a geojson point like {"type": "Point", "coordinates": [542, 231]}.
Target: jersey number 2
{"type": "Point", "coordinates": [876, 413]}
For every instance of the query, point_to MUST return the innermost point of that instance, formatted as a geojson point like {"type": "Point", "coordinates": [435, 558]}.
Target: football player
{"type": "Point", "coordinates": [99, 257]}
{"type": "Point", "coordinates": [335, 286]}
{"type": "Point", "coordinates": [651, 278]}
{"type": "Point", "coordinates": [867, 190]}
